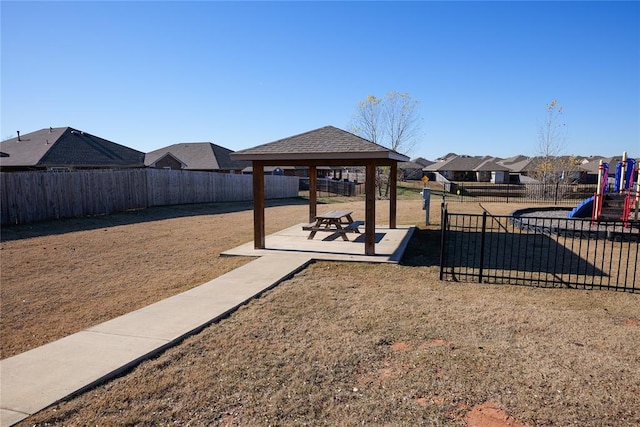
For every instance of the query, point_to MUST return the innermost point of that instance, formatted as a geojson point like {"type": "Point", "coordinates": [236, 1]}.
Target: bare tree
{"type": "Point", "coordinates": [551, 140]}
{"type": "Point", "coordinates": [550, 166]}
{"type": "Point", "coordinates": [391, 121]}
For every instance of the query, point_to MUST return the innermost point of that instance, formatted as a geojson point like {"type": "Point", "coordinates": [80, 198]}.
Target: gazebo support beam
{"type": "Point", "coordinates": [370, 210]}
{"type": "Point", "coordinates": [370, 195]}
{"type": "Point", "coordinates": [313, 192]}
{"type": "Point", "coordinates": [393, 193]}
{"type": "Point", "coordinates": [258, 205]}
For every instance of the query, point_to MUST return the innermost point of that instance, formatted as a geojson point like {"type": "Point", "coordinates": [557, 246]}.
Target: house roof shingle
{"type": "Point", "coordinates": [457, 163]}
{"type": "Point", "coordinates": [28, 149]}
{"type": "Point", "coordinates": [422, 161]}
{"type": "Point", "coordinates": [410, 165]}
{"type": "Point", "coordinates": [594, 165]}
{"type": "Point", "coordinates": [490, 165]}
{"type": "Point", "coordinates": [67, 147]}
{"type": "Point", "coordinates": [517, 163]}
{"type": "Point", "coordinates": [198, 156]}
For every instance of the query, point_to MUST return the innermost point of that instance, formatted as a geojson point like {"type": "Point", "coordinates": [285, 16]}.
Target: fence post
{"type": "Point", "coordinates": [443, 240]}
{"type": "Point", "coordinates": [482, 238]}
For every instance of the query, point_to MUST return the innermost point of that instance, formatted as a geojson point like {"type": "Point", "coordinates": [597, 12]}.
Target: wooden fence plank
{"type": "Point", "coordinates": [36, 196]}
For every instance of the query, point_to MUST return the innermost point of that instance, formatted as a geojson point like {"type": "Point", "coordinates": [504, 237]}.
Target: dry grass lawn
{"type": "Point", "coordinates": [338, 344]}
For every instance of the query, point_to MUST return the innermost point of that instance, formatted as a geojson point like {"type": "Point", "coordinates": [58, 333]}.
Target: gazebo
{"type": "Point", "coordinates": [326, 146]}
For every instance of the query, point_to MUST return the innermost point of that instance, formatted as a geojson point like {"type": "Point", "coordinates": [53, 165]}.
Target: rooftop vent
{"type": "Point", "coordinates": [18, 135]}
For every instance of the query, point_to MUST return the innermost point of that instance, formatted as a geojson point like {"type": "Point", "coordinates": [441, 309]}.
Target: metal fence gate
{"type": "Point", "coordinates": [540, 251]}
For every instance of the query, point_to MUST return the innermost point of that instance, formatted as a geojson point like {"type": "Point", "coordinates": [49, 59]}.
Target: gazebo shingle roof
{"type": "Point", "coordinates": [324, 143]}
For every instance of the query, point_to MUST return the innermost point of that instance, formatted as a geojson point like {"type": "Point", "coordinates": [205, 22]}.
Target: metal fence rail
{"type": "Point", "coordinates": [334, 188]}
{"type": "Point", "coordinates": [540, 251]}
{"type": "Point", "coordinates": [534, 192]}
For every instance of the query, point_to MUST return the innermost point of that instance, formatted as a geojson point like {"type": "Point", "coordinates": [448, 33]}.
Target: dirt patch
{"type": "Point", "coordinates": [426, 401]}
{"type": "Point", "coordinates": [632, 322]}
{"type": "Point", "coordinates": [490, 415]}
{"type": "Point", "coordinates": [399, 346]}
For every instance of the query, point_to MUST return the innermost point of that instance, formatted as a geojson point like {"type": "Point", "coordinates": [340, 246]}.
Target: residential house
{"type": "Point", "coordinates": [276, 170]}
{"type": "Point", "coordinates": [422, 161]}
{"type": "Point", "coordinates": [65, 148]}
{"type": "Point", "coordinates": [591, 167]}
{"type": "Point", "coordinates": [566, 169]}
{"type": "Point", "coordinates": [322, 173]}
{"type": "Point", "coordinates": [195, 156]}
{"type": "Point", "coordinates": [519, 168]}
{"type": "Point", "coordinates": [489, 170]}
{"type": "Point", "coordinates": [469, 168]}
{"type": "Point", "coordinates": [409, 171]}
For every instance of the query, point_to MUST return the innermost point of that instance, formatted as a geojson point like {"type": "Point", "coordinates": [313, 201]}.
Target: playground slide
{"type": "Point", "coordinates": [618, 178]}
{"type": "Point", "coordinates": [628, 179]}
{"type": "Point", "coordinates": [583, 210]}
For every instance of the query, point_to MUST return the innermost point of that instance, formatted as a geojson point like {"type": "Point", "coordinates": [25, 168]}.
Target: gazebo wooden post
{"type": "Point", "coordinates": [370, 210]}
{"type": "Point", "coordinates": [258, 205]}
{"type": "Point", "coordinates": [393, 193]}
{"type": "Point", "coordinates": [313, 192]}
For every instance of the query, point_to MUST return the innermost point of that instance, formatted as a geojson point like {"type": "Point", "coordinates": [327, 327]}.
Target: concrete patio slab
{"type": "Point", "coordinates": [390, 245]}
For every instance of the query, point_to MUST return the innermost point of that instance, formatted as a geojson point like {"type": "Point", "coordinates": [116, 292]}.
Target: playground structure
{"type": "Point", "coordinates": [620, 204]}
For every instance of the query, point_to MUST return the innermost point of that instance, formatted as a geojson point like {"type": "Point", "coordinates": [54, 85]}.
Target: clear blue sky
{"type": "Point", "coordinates": [153, 73]}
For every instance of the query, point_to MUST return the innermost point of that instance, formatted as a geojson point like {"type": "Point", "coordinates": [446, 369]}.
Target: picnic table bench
{"type": "Point", "coordinates": [337, 222]}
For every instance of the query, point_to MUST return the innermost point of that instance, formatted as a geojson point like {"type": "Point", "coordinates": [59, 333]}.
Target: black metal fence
{"type": "Point", "coordinates": [332, 187]}
{"type": "Point", "coordinates": [514, 193]}
{"type": "Point", "coordinates": [540, 251]}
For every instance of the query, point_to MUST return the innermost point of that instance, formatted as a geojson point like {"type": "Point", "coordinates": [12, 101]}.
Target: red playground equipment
{"type": "Point", "coordinates": [622, 204]}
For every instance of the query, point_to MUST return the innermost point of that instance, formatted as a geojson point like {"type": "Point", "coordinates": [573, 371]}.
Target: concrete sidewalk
{"type": "Point", "coordinates": [36, 379]}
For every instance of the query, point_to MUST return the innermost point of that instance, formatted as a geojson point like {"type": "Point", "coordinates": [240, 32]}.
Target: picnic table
{"type": "Point", "coordinates": [337, 222]}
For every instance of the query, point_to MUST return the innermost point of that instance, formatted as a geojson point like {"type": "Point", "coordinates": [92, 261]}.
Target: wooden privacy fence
{"type": "Point", "coordinates": [26, 197]}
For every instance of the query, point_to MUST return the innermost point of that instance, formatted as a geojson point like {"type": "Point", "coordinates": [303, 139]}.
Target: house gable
{"type": "Point", "coordinates": [79, 149]}
{"type": "Point", "coordinates": [66, 147]}
{"type": "Point", "coordinates": [168, 161]}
